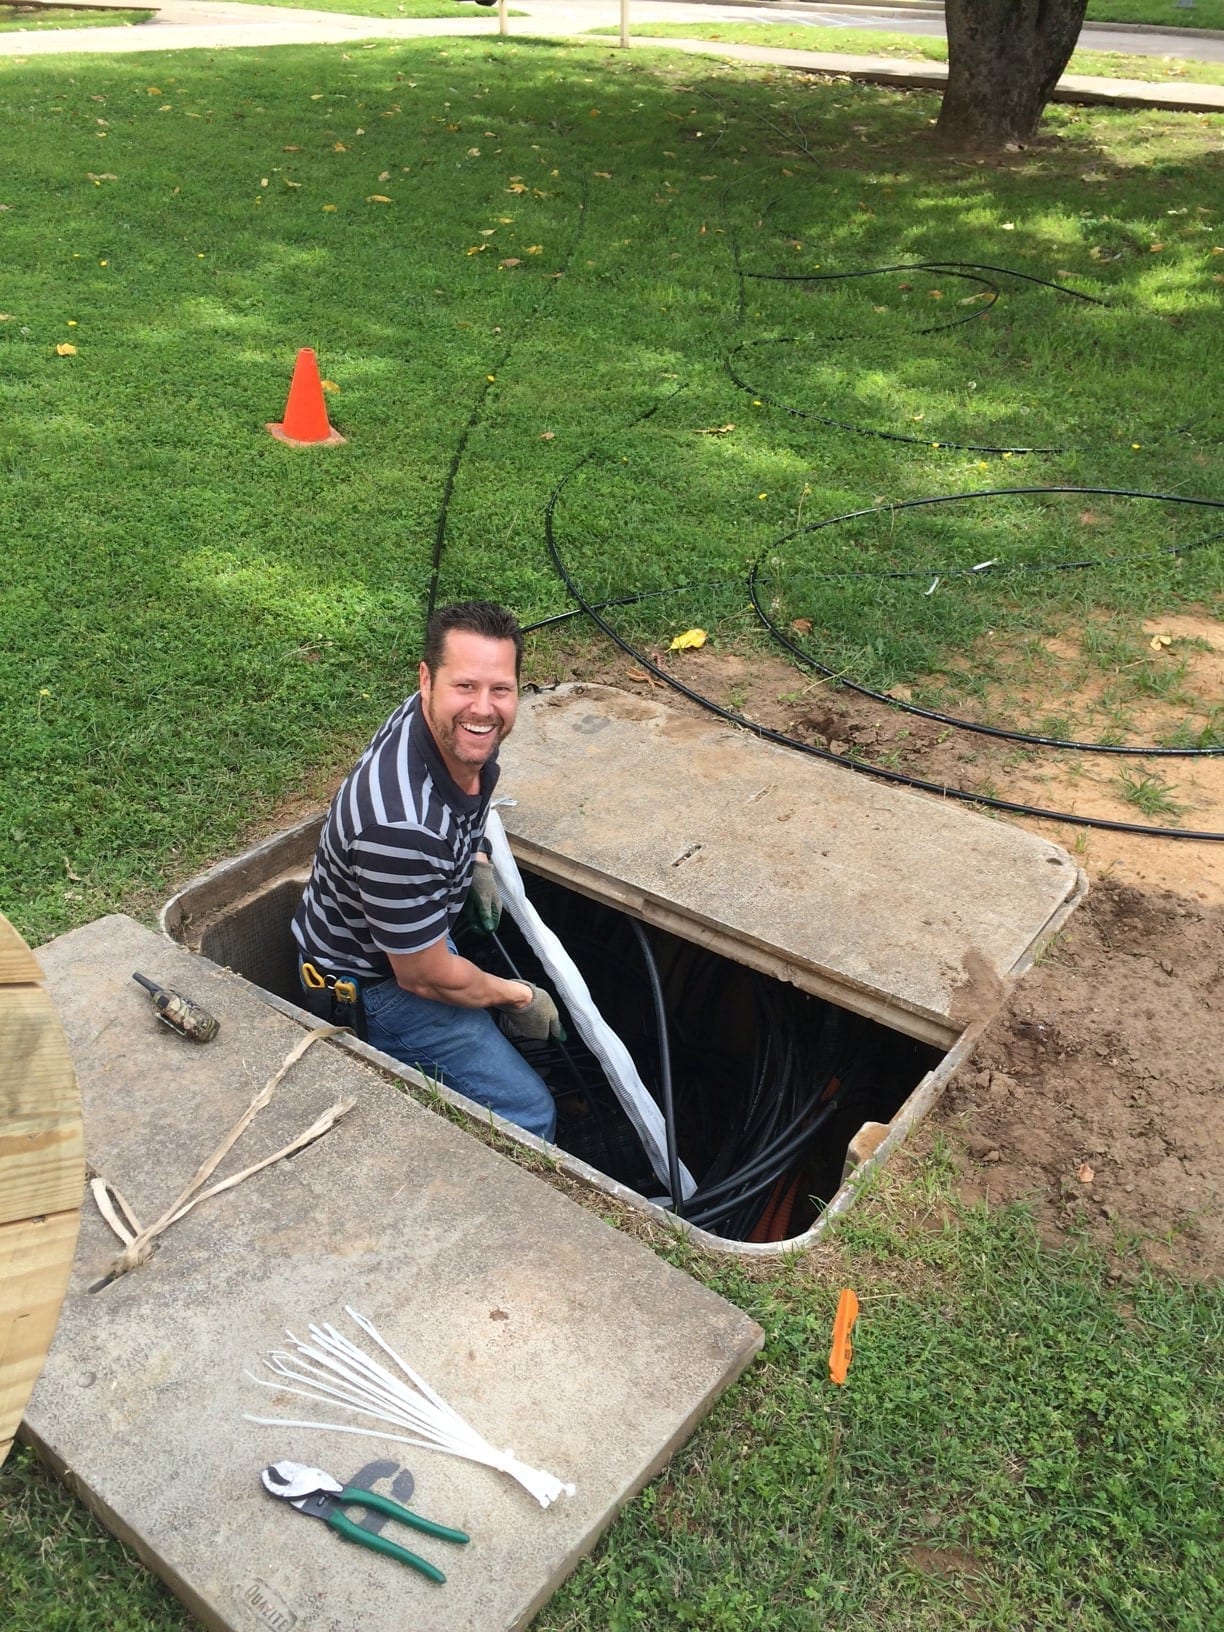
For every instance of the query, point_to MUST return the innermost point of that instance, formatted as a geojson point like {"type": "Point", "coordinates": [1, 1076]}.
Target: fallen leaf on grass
{"type": "Point", "coordinates": [716, 430]}
{"type": "Point", "coordinates": [381, 198]}
{"type": "Point", "coordinates": [801, 626]}
{"type": "Point", "coordinates": [547, 436]}
{"type": "Point", "coordinates": [1159, 642]}
{"type": "Point", "coordinates": [65, 349]}
{"type": "Point", "coordinates": [688, 641]}
{"type": "Point", "coordinates": [511, 260]}
{"type": "Point", "coordinates": [329, 385]}
{"type": "Point", "coordinates": [98, 180]}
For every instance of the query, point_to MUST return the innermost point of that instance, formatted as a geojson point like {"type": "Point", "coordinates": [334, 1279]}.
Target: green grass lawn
{"type": "Point", "coordinates": [912, 48]}
{"type": "Point", "coordinates": [1158, 13]}
{"type": "Point", "coordinates": [568, 274]}
{"type": "Point", "coordinates": [204, 620]}
{"type": "Point", "coordinates": [13, 19]}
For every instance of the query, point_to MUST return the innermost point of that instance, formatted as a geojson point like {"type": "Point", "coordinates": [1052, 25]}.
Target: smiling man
{"type": "Point", "coordinates": [395, 863]}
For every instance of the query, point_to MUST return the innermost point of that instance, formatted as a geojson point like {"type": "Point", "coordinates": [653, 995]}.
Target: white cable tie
{"type": "Point", "coordinates": [934, 582]}
{"type": "Point", "coordinates": [982, 565]}
{"type": "Point", "coordinates": [353, 1396]}
{"type": "Point", "coordinates": [340, 1428]}
{"type": "Point", "coordinates": [321, 1399]}
{"type": "Point", "coordinates": [431, 1394]}
{"type": "Point", "coordinates": [355, 1391]}
{"type": "Point", "coordinates": [352, 1390]}
{"type": "Point", "coordinates": [365, 1386]}
{"type": "Point", "coordinates": [368, 1365]}
{"type": "Point", "coordinates": [413, 1405]}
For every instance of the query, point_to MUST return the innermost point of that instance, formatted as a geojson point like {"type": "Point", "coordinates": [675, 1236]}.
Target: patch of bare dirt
{"type": "Point", "coordinates": [1098, 1092]}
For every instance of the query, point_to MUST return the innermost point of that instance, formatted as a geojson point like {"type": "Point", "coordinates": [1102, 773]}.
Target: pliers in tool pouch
{"type": "Point", "coordinates": [319, 1496]}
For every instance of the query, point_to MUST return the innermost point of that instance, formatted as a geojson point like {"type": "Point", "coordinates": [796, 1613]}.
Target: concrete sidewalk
{"type": "Point", "coordinates": [182, 25]}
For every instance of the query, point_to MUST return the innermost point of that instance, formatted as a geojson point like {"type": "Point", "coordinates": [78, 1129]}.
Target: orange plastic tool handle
{"type": "Point", "coordinates": [842, 1352]}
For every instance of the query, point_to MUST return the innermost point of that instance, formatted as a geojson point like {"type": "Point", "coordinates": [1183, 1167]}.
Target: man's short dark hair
{"type": "Point", "coordinates": [476, 618]}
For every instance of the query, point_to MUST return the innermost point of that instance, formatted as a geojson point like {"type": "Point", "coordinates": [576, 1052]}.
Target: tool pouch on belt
{"type": "Point", "coordinates": [340, 993]}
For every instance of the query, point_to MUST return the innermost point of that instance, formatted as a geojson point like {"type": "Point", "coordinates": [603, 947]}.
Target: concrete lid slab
{"type": "Point", "coordinates": [550, 1332]}
{"type": "Point", "coordinates": [891, 903]}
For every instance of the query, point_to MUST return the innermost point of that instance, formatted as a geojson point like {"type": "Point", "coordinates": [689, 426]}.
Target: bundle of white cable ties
{"type": "Point", "coordinates": [337, 1371]}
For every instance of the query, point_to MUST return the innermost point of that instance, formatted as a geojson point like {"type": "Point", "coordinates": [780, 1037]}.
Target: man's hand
{"type": "Point", "coordinates": [483, 906]}
{"type": "Point", "coordinates": [537, 1021]}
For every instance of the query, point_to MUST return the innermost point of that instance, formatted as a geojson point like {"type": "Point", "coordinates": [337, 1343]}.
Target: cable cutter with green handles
{"type": "Point", "coordinates": [318, 1495]}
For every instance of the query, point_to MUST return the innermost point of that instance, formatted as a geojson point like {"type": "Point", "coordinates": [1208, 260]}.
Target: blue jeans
{"type": "Point", "coordinates": [461, 1048]}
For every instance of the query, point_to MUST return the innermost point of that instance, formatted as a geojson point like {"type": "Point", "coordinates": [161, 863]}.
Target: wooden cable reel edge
{"type": "Point", "coordinates": [42, 1175]}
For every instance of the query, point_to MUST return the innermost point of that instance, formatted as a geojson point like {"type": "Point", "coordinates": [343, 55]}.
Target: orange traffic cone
{"type": "Point", "coordinates": [305, 422]}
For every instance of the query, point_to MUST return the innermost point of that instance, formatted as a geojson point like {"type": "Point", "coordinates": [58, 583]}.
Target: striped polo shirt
{"type": "Point", "coordinates": [395, 857]}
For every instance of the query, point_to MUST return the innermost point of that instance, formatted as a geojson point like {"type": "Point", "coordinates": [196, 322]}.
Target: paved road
{"type": "Point", "coordinates": [213, 24]}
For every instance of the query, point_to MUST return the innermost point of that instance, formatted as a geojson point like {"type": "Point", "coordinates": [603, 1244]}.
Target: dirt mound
{"type": "Point", "coordinates": [1098, 1094]}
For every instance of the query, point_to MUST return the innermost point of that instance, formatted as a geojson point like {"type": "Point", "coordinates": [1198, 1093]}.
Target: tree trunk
{"type": "Point", "coordinates": [1004, 59]}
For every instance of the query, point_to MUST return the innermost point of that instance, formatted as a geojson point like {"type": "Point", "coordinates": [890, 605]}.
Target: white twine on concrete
{"type": "Point", "coordinates": [137, 1242]}
{"type": "Point", "coordinates": [336, 1370]}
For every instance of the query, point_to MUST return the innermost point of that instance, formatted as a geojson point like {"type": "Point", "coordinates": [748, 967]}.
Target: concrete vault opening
{"type": "Point", "coordinates": [802, 955]}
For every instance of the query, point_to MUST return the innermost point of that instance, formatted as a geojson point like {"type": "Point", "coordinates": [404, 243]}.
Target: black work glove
{"type": "Point", "coordinates": [483, 907]}
{"type": "Point", "coordinates": [537, 1022]}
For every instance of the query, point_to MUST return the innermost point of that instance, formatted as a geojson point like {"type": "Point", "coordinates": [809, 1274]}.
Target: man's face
{"type": "Point", "coordinates": [470, 702]}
